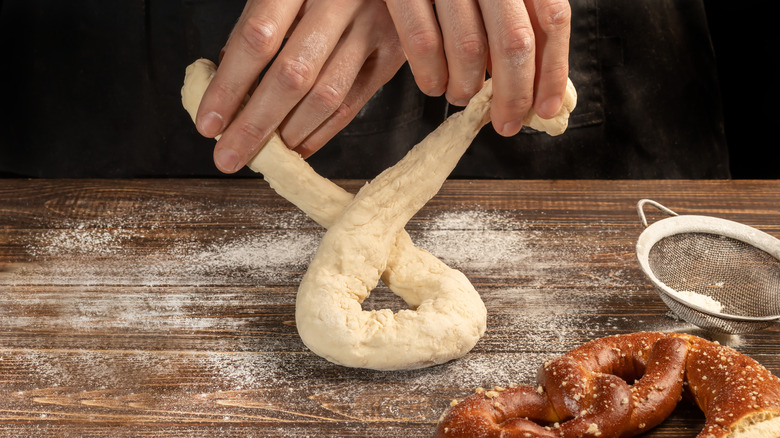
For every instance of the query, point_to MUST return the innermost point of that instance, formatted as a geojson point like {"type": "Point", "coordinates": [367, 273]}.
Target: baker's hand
{"type": "Point", "coordinates": [337, 54]}
{"type": "Point", "coordinates": [524, 44]}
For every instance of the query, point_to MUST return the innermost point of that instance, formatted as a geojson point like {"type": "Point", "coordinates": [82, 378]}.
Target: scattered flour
{"type": "Point", "coordinates": [100, 241]}
{"type": "Point", "coordinates": [476, 240]}
{"type": "Point", "coordinates": [270, 256]}
{"type": "Point", "coordinates": [122, 278]}
{"type": "Point", "coordinates": [112, 253]}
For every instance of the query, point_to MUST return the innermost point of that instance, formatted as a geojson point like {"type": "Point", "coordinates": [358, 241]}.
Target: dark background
{"type": "Point", "coordinates": [745, 37]}
{"type": "Point", "coordinates": [743, 34]}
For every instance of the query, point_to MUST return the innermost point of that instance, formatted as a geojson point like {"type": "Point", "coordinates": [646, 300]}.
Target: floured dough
{"type": "Point", "coordinates": [558, 124]}
{"type": "Point", "coordinates": [366, 241]}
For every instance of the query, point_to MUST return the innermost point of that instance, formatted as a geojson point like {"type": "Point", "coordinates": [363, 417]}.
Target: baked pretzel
{"type": "Point", "coordinates": [585, 392]}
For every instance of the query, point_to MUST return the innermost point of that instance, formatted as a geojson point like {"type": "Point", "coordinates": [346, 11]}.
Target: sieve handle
{"type": "Point", "coordinates": [641, 210]}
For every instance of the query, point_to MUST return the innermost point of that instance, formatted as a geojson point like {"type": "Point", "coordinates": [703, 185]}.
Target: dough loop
{"type": "Point", "coordinates": [366, 241]}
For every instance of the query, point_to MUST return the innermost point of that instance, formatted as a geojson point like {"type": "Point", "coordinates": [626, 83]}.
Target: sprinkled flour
{"type": "Point", "coordinates": [224, 304]}
{"type": "Point", "coordinates": [481, 243]}
{"type": "Point", "coordinates": [475, 239]}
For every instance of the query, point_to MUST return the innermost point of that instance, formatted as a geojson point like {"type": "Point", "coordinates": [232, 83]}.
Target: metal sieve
{"type": "Point", "coordinates": [696, 262]}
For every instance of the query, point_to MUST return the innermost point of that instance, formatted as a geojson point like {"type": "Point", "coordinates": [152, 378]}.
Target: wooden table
{"type": "Point", "coordinates": [165, 308]}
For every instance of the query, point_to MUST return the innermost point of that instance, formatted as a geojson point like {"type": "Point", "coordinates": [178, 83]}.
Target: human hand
{"type": "Point", "coordinates": [339, 52]}
{"type": "Point", "coordinates": [523, 44]}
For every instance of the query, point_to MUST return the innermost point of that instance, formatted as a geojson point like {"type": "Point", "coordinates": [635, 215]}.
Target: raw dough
{"type": "Point", "coordinates": [366, 241]}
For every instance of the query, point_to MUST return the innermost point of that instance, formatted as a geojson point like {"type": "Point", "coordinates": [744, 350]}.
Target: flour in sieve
{"type": "Point", "coordinates": [706, 302]}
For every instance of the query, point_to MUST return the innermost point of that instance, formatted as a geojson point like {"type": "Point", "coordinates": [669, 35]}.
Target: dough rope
{"type": "Point", "coordinates": [584, 393]}
{"type": "Point", "coordinates": [365, 241]}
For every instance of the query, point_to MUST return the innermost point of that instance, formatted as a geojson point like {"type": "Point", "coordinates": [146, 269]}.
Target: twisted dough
{"type": "Point", "coordinates": [366, 240]}
{"type": "Point", "coordinates": [584, 393]}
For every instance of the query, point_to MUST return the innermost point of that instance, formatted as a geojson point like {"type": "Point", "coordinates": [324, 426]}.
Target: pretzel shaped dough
{"type": "Point", "coordinates": [365, 241]}
{"type": "Point", "coordinates": [584, 393]}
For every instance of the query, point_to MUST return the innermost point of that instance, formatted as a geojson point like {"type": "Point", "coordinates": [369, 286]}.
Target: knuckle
{"type": "Point", "coordinates": [554, 15]}
{"type": "Point", "coordinates": [557, 71]}
{"type": "Point", "coordinates": [471, 47]}
{"type": "Point", "coordinates": [227, 91]}
{"type": "Point", "coordinates": [327, 98]}
{"type": "Point", "coordinates": [518, 105]}
{"type": "Point", "coordinates": [249, 130]}
{"type": "Point", "coordinates": [517, 43]}
{"type": "Point", "coordinates": [343, 114]}
{"type": "Point", "coordinates": [295, 75]}
{"type": "Point", "coordinates": [423, 42]}
{"type": "Point", "coordinates": [259, 36]}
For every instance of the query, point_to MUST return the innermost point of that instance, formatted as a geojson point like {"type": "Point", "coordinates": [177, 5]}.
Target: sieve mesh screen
{"type": "Point", "coordinates": [745, 279]}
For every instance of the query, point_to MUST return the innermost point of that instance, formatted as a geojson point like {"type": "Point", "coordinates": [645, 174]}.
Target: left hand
{"type": "Point", "coordinates": [337, 55]}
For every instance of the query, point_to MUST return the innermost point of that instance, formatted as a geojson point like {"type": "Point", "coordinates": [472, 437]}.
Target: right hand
{"type": "Point", "coordinates": [523, 44]}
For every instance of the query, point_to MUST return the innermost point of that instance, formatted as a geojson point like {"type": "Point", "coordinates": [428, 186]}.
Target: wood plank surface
{"type": "Point", "coordinates": [165, 308]}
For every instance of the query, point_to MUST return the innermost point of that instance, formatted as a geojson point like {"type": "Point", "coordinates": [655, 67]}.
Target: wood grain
{"type": "Point", "coordinates": [165, 308]}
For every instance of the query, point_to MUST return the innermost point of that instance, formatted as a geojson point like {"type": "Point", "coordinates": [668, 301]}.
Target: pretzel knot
{"type": "Point", "coordinates": [582, 394]}
{"type": "Point", "coordinates": [585, 392]}
{"type": "Point", "coordinates": [366, 241]}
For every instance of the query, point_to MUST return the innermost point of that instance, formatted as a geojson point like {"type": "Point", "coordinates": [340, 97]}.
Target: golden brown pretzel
{"type": "Point", "coordinates": [585, 392]}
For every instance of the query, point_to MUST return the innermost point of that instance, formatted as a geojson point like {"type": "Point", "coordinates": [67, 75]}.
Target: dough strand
{"type": "Point", "coordinates": [366, 241]}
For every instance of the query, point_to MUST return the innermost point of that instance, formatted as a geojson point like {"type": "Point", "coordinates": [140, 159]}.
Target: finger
{"type": "Point", "coordinates": [328, 92]}
{"type": "Point", "coordinates": [465, 45]}
{"type": "Point", "coordinates": [422, 43]}
{"type": "Point", "coordinates": [371, 31]}
{"type": "Point", "coordinates": [512, 51]}
{"type": "Point", "coordinates": [286, 82]}
{"type": "Point", "coordinates": [552, 20]}
{"type": "Point", "coordinates": [253, 43]}
{"type": "Point", "coordinates": [376, 72]}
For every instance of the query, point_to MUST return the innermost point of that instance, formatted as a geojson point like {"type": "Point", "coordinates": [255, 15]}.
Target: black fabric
{"type": "Point", "coordinates": [745, 38]}
{"type": "Point", "coordinates": [97, 86]}
{"type": "Point", "coordinates": [95, 93]}
{"type": "Point", "coordinates": [649, 104]}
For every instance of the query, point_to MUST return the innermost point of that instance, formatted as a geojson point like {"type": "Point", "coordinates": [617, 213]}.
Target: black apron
{"type": "Point", "coordinates": [94, 92]}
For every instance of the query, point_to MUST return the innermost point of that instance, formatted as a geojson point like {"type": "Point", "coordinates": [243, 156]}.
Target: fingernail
{"type": "Point", "coordinates": [549, 108]}
{"type": "Point", "coordinates": [211, 124]}
{"type": "Point", "coordinates": [227, 160]}
{"type": "Point", "coordinates": [457, 102]}
{"type": "Point", "coordinates": [511, 128]}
